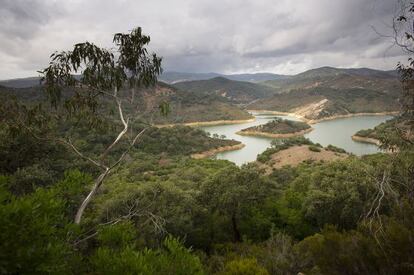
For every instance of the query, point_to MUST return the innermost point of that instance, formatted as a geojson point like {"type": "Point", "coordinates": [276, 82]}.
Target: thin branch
{"type": "Point", "coordinates": [129, 148]}
{"type": "Point", "coordinates": [70, 144]}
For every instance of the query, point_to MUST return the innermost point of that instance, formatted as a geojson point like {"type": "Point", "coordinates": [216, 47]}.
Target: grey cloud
{"type": "Point", "coordinates": [227, 36]}
{"type": "Point", "coordinates": [23, 18]}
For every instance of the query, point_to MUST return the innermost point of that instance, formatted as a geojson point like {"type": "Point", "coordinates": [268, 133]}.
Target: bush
{"type": "Point", "coordinates": [172, 258]}
{"type": "Point", "coordinates": [33, 235]}
{"type": "Point", "coordinates": [313, 148]}
{"type": "Point", "coordinates": [244, 267]}
{"type": "Point", "coordinates": [335, 149]}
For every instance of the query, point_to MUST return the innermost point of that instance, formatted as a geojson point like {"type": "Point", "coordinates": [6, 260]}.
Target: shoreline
{"type": "Point", "coordinates": [212, 152]}
{"type": "Point", "coordinates": [270, 135]}
{"type": "Point", "coordinates": [208, 123]}
{"type": "Point", "coordinates": [268, 112]}
{"type": "Point", "coordinates": [352, 115]}
{"type": "Point", "coordinates": [366, 140]}
{"type": "Point", "coordinates": [314, 121]}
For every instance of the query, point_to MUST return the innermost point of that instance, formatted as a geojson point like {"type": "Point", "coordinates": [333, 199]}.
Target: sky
{"type": "Point", "coordinates": [224, 36]}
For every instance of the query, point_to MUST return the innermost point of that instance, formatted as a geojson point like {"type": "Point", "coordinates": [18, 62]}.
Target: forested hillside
{"type": "Point", "coordinates": [236, 91]}
{"type": "Point", "coordinates": [328, 92]}
{"type": "Point", "coordinates": [233, 218]}
{"type": "Point", "coordinates": [185, 106]}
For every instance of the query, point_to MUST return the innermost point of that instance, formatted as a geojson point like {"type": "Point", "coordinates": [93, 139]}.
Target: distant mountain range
{"type": "Point", "coordinates": [185, 106]}
{"type": "Point", "coordinates": [21, 82]}
{"type": "Point", "coordinates": [315, 94]}
{"type": "Point", "coordinates": [175, 77]}
{"type": "Point", "coordinates": [171, 77]}
{"type": "Point", "coordinates": [167, 77]}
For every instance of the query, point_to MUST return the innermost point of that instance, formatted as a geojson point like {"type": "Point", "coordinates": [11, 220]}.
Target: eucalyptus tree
{"type": "Point", "coordinates": [84, 83]}
{"type": "Point", "coordinates": [403, 36]}
{"type": "Point", "coordinates": [390, 187]}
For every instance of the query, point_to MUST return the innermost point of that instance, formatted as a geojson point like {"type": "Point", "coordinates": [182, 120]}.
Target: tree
{"type": "Point", "coordinates": [403, 36]}
{"type": "Point", "coordinates": [86, 87]}
{"type": "Point", "coordinates": [231, 194]}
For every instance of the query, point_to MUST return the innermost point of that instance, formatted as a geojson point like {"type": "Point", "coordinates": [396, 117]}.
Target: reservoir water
{"type": "Point", "coordinates": [337, 132]}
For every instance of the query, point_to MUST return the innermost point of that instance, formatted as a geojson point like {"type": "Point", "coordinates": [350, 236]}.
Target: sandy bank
{"type": "Point", "coordinates": [213, 152]}
{"type": "Point", "coordinates": [366, 140]}
{"type": "Point", "coordinates": [270, 135]}
{"type": "Point", "coordinates": [267, 112]}
{"type": "Point", "coordinates": [208, 123]}
{"type": "Point", "coordinates": [314, 121]}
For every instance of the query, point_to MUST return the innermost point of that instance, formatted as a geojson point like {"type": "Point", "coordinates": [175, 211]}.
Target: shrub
{"type": "Point", "coordinates": [244, 267]}
{"type": "Point", "coordinates": [335, 149]}
{"type": "Point", "coordinates": [314, 148]}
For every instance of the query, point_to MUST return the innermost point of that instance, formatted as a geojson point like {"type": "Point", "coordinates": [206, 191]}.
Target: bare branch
{"type": "Point", "coordinates": [122, 133]}
{"type": "Point", "coordinates": [70, 144]}
{"type": "Point", "coordinates": [129, 148]}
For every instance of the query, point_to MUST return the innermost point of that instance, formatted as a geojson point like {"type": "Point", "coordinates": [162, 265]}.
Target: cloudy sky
{"type": "Point", "coordinates": [227, 36]}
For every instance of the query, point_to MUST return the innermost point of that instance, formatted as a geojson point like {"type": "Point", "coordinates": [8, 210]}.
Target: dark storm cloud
{"type": "Point", "coordinates": [280, 36]}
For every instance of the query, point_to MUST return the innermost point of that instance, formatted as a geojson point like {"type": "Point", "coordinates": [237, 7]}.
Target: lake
{"type": "Point", "coordinates": [337, 132]}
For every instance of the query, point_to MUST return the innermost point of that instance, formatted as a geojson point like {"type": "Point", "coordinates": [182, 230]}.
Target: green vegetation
{"type": "Point", "coordinates": [235, 91]}
{"type": "Point", "coordinates": [385, 128]}
{"type": "Point", "coordinates": [179, 140]}
{"type": "Point", "coordinates": [314, 148]}
{"type": "Point", "coordinates": [279, 126]}
{"type": "Point", "coordinates": [346, 91]}
{"type": "Point", "coordinates": [185, 107]}
{"type": "Point", "coordinates": [340, 102]}
{"type": "Point", "coordinates": [162, 212]}
{"type": "Point", "coordinates": [333, 148]}
{"type": "Point", "coordinates": [189, 107]}
{"type": "Point", "coordinates": [234, 219]}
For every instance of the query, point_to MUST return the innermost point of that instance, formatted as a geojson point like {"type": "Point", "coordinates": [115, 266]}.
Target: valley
{"type": "Point", "coordinates": [336, 132]}
{"type": "Point", "coordinates": [236, 138]}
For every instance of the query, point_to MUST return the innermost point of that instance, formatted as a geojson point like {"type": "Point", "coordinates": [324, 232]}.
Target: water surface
{"type": "Point", "coordinates": [337, 132]}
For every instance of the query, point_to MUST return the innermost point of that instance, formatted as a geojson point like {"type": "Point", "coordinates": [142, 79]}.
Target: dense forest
{"type": "Point", "coordinates": [164, 213]}
{"type": "Point", "coordinates": [89, 185]}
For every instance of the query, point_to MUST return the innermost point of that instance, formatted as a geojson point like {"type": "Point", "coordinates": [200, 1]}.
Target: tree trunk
{"type": "Point", "coordinates": [88, 198]}
{"type": "Point", "coordinates": [236, 232]}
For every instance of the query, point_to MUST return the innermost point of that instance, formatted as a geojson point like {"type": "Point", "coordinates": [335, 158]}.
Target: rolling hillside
{"type": "Point", "coordinates": [185, 106]}
{"type": "Point", "coordinates": [176, 77]}
{"type": "Point", "coordinates": [235, 91]}
{"type": "Point", "coordinates": [315, 94]}
{"type": "Point", "coordinates": [21, 82]}
{"type": "Point", "coordinates": [338, 79]}
{"type": "Point", "coordinates": [188, 106]}
{"type": "Point", "coordinates": [328, 92]}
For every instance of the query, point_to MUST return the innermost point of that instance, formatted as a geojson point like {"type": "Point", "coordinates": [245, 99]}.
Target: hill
{"type": "Point", "coordinates": [338, 78]}
{"type": "Point", "coordinates": [328, 92]}
{"type": "Point", "coordinates": [316, 94]}
{"type": "Point", "coordinates": [175, 77]}
{"type": "Point", "coordinates": [235, 91]}
{"type": "Point", "coordinates": [21, 82]}
{"type": "Point", "coordinates": [387, 131]}
{"type": "Point", "coordinates": [188, 106]}
{"type": "Point", "coordinates": [185, 106]}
